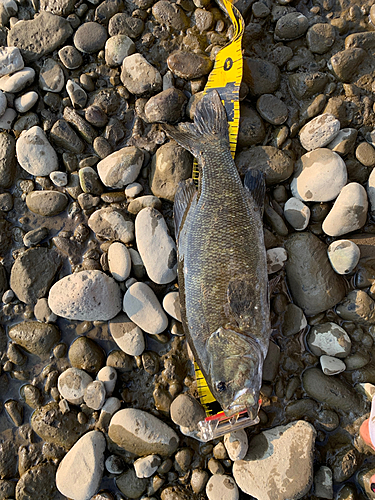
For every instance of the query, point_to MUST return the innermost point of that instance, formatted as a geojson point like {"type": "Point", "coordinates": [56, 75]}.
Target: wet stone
{"type": "Point", "coordinates": [51, 76]}
{"type": "Point", "coordinates": [121, 167]}
{"type": "Point", "coordinates": [43, 313]}
{"type": "Point", "coordinates": [47, 203]}
{"type": "Point", "coordinates": [36, 338]}
{"type": "Point", "coordinates": [167, 106]}
{"type": "Point", "coordinates": [320, 37]}
{"type": "Point", "coordinates": [305, 85]}
{"type": "Point", "coordinates": [85, 354]}
{"type": "Point", "coordinates": [34, 152]}
{"type": "Point", "coordinates": [80, 124]}
{"type": "Point", "coordinates": [90, 37]}
{"type": "Point", "coordinates": [131, 485]}
{"type": "Point", "coordinates": [85, 296]}
{"type": "Point", "coordinates": [39, 36]}
{"type": "Point", "coordinates": [272, 109]}
{"type": "Point", "coordinates": [89, 181]}
{"type": "Point", "coordinates": [170, 15]}
{"type": "Point", "coordinates": [277, 165]}
{"type": "Point", "coordinates": [261, 76]}
{"type": "Point", "coordinates": [310, 275]}
{"type": "Point", "coordinates": [111, 225]}
{"type": "Point", "coordinates": [70, 57]}
{"type": "Point", "coordinates": [72, 384]}
{"type": "Point", "coordinates": [343, 255]}
{"type": "Point", "coordinates": [291, 26]}
{"type": "Point", "coordinates": [65, 137]}
{"type": "Point", "coordinates": [276, 258]}
{"type": "Point", "coordinates": [155, 246]}
{"type": "Point", "coordinates": [37, 482]}
{"type": "Point", "coordinates": [152, 435]}
{"type": "Point", "coordinates": [345, 63]}
{"type": "Point", "coordinates": [320, 176]}
{"type": "Point", "coordinates": [319, 132]}
{"type": "Point", "coordinates": [189, 65]}
{"type": "Point", "coordinates": [6, 202]}
{"type": "Point", "coordinates": [357, 306]}
{"type": "Point", "coordinates": [143, 308]}
{"type": "Point", "coordinates": [33, 273]}
{"type": "Point", "coordinates": [251, 130]}
{"type": "Point", "coordinates": [139, 76]}
{"type": "Point", "coordinates": [349, 211]}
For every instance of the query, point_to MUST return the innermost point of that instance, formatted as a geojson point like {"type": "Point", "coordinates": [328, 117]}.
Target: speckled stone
{"type": "Point", "coordinates": [111, 225]}
{"type": "Point", "coordinates": [320, 37]}
{"type": "Point", "coordinates": [319, 132]}
{"type": "Point", "coordinates": [139, 76]}
{"type": "Point", "coordinates": [291, 26]}
{"type": "Point", "coordinates": [189, 65]}
{"type": "Point", "coordinates": [34, 152]}
{"type": "Point", "coordinates": [344, 256]}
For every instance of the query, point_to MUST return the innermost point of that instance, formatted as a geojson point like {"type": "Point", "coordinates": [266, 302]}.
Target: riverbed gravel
{"type": "Point", "coordinates": [98, 398]}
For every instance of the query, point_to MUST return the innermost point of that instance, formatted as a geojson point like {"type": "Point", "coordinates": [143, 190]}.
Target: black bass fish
{"type": "Point", "coordinates": [222, 267]}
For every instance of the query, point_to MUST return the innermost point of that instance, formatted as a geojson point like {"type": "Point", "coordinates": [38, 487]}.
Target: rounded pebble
{"type": "Point", "coordinates": [297, 214]}
{"type": "Point", "coordinates": [171, 304]}
{"type": "Point", "coordinates": [70, 57]}
{"type": "Point", "coordinates": [222, 487]}
{"type": "Point", "coordinates": [319, 132]}
{"type": "Point", "coordinates": [291, 26]}
{"type": "Point", "coordinates": [25, 102]}
{"type": "Point", "coordinates": [365, 153]}
{"type": "Point", "coordinates": [344, 255]}
{"type": "Point", "coordinates": [329, 339]}
{"type": "Point", "coordinates": [276, 258]}
{"type": "Point", "coordinates": [272, 109]}
{"type": "Point", "coordinates": [90, 37]}
{"type": "Point", "coordinates": [371, 191]}
{"type": "Point", "coordinates": [331, 365]}
{"type": "Point", "coordinates": [236, 444]}
{"type": "Point", "coordinates": [34, 152]}
{"type": "Point", "coordinates": [108, 375]}
{"type": "Point", "coordinates": [320, 176]}
{"type": "Point", "coordinates": [117, 48]}
{"type": "Point", "coordinates": [94, 395]}
{"type": "Point", "coordinates": [127, 335]}
{"type": "Point", "coordinates": [147, 466]}
{"type": "Point", "coordinates": [144, 309]}
{"type": "Point", "coordinates": [119, 261]}
{"type": "Point", "coordinates": [72, 384]}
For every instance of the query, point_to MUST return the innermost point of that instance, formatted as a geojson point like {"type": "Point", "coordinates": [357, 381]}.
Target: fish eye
{"type": "Point", "coordinates": [221, 386]}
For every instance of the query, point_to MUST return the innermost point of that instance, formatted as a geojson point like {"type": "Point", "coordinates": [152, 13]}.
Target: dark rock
{"type": "Point", "coordinates": [276, 164]}
{"type": "Point", "coordinates": [35, 337]}
{"type": "Point", "coordinates": [167, 106]}
{"type": "Point", "coordinates": [90, 37]}
{"type": "Point", "coordinates": [305, 85]}
{"type": "Point", "coordinates": [86, 354]}
{"type": "Point", "coordinates": [7, 159]}
{"type": "Point", "coordinates": [345, 63]}
{"type": "Point", "coordinates": [47, 203]}
{"type": "Point", "coordinates": [251, 130]}
{"type": "Point", "coordinates": [261, 76]}
{"type": "Point", "coordinates": [170, 14]}
{"type": "Point", "coordinates": [65, 137]}
{"type": "Point", "coordinates": [122, 24]}
{"type": "Point", "coordinates": [189, 65]}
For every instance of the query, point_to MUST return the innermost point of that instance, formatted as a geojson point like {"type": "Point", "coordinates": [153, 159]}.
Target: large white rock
{"type": "Point", "coordinates": [35, 154]}
{"type": "Point", "coordinates": [119, 261]}
{"type": "Point", "coordinates": [121, 167]}
{"type": "Point", "coordinates": [72, 384]}
{"type": "Point", "coordinates": [320, 176]}
{"type": "Point", "coordinates": [86, 296]}
{"type": "Point", "coordinates": [279, 463]}
{"type": "Point", "coordinates": [18, 81]}
{"type": "Point", "coordinates": [221, 487]}
{"type": "Point", "coordinates": [349, 211]}
{"type": "Point", "coordinates": [10, 60]}
{"type": "Point", "coordinates": [144, 309]}
{"type": "Point", "coordinates": [127, 335]}
{"type": "Point", "coordinates": [156, 247]}
{"type": "Point", "coordinates": [80, 471]}
{"type": "Point", "coordinates": [141, 433]}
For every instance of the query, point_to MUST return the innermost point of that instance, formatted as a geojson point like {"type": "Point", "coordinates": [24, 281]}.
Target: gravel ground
{"type": "Point", "coordinates": [97, 391]}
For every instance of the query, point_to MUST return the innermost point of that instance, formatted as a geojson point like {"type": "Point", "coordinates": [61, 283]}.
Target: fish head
{"type": "Point", "coordinates": [235, 371]}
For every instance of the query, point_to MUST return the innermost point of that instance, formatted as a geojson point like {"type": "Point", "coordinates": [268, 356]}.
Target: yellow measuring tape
{"type": "Point", "coordinates": [226, 78]}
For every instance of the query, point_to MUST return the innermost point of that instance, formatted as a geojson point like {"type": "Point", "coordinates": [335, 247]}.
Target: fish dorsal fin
{"type": "Point", "coordinates": [182, 201]}
{"type": "Point", "coordinates": [255, 185]}
{"type": "Point", "coordinates": [210, 124]}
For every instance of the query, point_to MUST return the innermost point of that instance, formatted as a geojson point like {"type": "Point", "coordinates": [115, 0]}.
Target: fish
{"type": "Point", "coordinates": [222, 266]}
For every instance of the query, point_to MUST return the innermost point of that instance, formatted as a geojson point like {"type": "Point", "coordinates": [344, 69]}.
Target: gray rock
{"type": "Point", "coordinates": [35, 154]}
{"type": "Point", "coordinates": [251, 130]}
{"type": "Point", "coordinates": [319, 132]}
{"type": "Point", "coordinates": [167, 106]}
{"type": "Point", "coordinates": [189, 65]}
{"type": "Point", "coordinates": [291, 26]}
{"type": "Point", "coordinates": [33, 273]}
{"type": "Point", "coordinates": [127, 335]}
{"type": "Point", "coordinates": [141, 433]}
{"type": "Point", "coordinates": [143, 308]}
{"type": "Point", "coordinates": [3, 103]}
{"type": "Point", "coordinates": [84, 460]}
{"type": "Point", "coordinates": [357, 306]}
{"type": "Point", "coordinates": [261, 76]}
{"type": "Point", "coordinates": [170, 164]}
{"type": "Point", "coordinates": [135, 206]}
{"type": "Point", "coordinates": [276, 258]}
{"type": "Point", "coordinates": [155, 246]}
{"type": "Point", "coordinates": [344, 141]}
{"type": "Point", "coordinates": [51, 76]}
{"type": "Point", "coordinates": [47, 203]}
{"type": "Point", "coordinates": [131, 485]}
{"type": "Point", "coordinates": [305, 85]}
{"type": "Point", "coordinates": [276, 165]}
{"type": "Point", "coordinates": [85, 296]}
{"type": "Point", "coordinates": [89, 181]}
{"type": "Point", "coordinates": [76, 93]}
{"type": "Point", "coordinates": [7, 159]}
{"type": "Point", "coordinates": [58, 7]}
{"type": "Point", "coordinates": [320, 176]}
{"type": "Point", "coordinates": [36, 338]}
{"type": "Point", "coordinates": [320, 37]}
{"type": "Point", "coordinates": [286, 450]}
{"type": "Point", "coordinates": [70, 57]}
{"type": "Point", "coordinates": [147, 466]}
{"type": "Point", "coordinates": [364, 40]}
{"type": "Point", "coordinates": [349, 211]}
{"type": "Point", "coordinates": [80, 124]}
{"type": "Point", "coordinates": [186, 412]}
{"type": "Point", "coordinates": [10, 60]}
{"type": "Point", "coordinates": [344, 64]}
{"type": "Point", "coordinates": [6, 121]}
{"type": "Point", "coordinates": [95, 394]}
{"type": "Point", "coordinates": [111, 225]}
{"type": "Point", "coordinates": [37, 482]}
{"type": "Point", "coordinates": [65, 137]}
{"type": "Point", "coordinates": [18, 81]}
{"type": "Point", "coordinates": [272, 109]}
{"type": "Point", "coordinates": [329, 339]}
{"type": "Point", "coordinates": [170, 15]}
{"type": "Point", "coordinates": [330, 390]}
{"type": "Point", "coordinates": [117, 48]}
{"type": "Point", "coordinates": [90, 37]}
{"type": "Point", "coordinates": [122, 24]}
{"type": "Point", "coordinates": [314, 285]}
{"type": "Point", "coordinates": [85, 354]}
{"type": "Point", "coordinates": [39, 36]}
{"type": "Point", "coordinates": [365, 153]}
{"type": "Point", "coordinates": [139, 76]}
{"type": "Point", "coordinates": [121, 167]}
{"type": "Point", "coordinates": [297, 214]}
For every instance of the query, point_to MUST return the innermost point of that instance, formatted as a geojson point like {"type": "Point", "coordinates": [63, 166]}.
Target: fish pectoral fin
{"type": "Point", "coordinates": [255, 186]}
{"type": "Point", "coordinates": [184, 196]}
{"type": "Point", "coordinates": [240, 295]}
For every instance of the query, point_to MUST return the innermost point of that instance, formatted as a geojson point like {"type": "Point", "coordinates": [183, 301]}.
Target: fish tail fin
{"type": "Point", "coordinates": [210, 125]}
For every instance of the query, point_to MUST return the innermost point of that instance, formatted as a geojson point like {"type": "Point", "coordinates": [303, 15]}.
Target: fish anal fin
{"type": "Point", "coordinates": [184, 195]}
{"type": "Point", "coordinates": [255, 185]}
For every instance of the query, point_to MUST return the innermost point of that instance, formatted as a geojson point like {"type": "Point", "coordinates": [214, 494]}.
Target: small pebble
{"type": "Point", "coordinates": [236, 444]}
{"type": "Point", "coordinates": [272, 109]}
{"type": "Point", "coordinates": [117, 48]}
{"type": "Point", "coordinates": [108, 375]}
{"type": "Point", "coordinates": [276, 258]}
{"type": "Point", "coordinates": [198, 480]}
{"type": "Point", "coordinates": [76, 93]}
{"type": "Point", "coordinates": [90, 37]}
{"type": "Point", "coordinates": [59, 179]}
{"type": "Point", "coordinates": [371, 191]}
{"type": "Point", "coordinates": [72, 384]}
{"type": "Point", "coordinates": [132, 190]}
{"type": "Point", "coordinates": [222, 487]}
{"type": "Point", "coordinates": [94, 395]}
{"type": "Point", "coordinates": [51, 76]}
{"type": "Point", "coordinates": [119, 261]}
{"type": "Point", "coordinates": [344, 141]}
{"type": "Point", "coordinates": [127, 335]}
{"type": "Point", "coordinates": [147, 466]}
{"type": "Point", "coordinates": [297, 214]}
{"type": "Point", "coordinates": [171, 305]}
{"type": "Point", "coordinates": [344, 255]}
{"type": "Point", "coordinates": [319, 132]}
{"type": "Point", "coordinates": [291, 26]}
{"type": "Point", "coordinates": [114, 464]}
{"type": "Point", "coordinates": [329, 339]}
{"type": "Point", "coordinates": [7, 119]}
{"type": "Point", "coordinates": [70, 57]}
{"type": "Point", "coordinates": [320, 37]}
{"type": "Point", "coordinates": [25, 102]}
{"type": "Point", "coordinates": [18, 81]}
{"type": "Point", "coordinates": [365, 153]}
{"type": "Point", "coordinates": [10, 60]}
{"type": "Point", "coordinates": [323, 483]}
{"type": "Point", "coordinates": [331, 365]}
